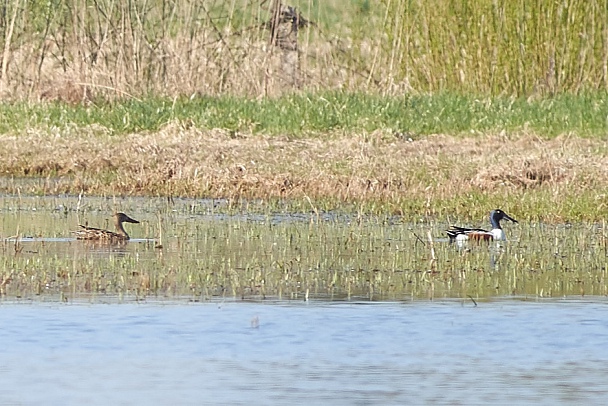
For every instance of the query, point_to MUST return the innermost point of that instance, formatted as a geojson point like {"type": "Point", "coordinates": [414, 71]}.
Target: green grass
{"type": "Point", "coordinates": [319, 114]}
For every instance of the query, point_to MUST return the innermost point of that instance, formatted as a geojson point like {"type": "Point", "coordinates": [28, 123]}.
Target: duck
{"type": "Point", "coordinates": [98, 234]}
{"type": "Point", "coordinates": [461, 234]}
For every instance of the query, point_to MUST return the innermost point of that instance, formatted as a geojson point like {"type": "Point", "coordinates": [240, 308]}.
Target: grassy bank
{"type": "Point", "coordinates": [417, 156]}
{"type": "Point", "coordinates": [316, 115]}
{"type": "Point", "coordinates": [460, 173]}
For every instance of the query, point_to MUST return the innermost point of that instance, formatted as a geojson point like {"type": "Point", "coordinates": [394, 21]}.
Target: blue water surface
{"type": "Point", "coordinates": [238, 353]}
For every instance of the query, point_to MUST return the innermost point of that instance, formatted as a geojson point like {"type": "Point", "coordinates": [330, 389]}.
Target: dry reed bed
{"type": "Point", "coordinates": [377, 167]}
{"type": "Point", "coordinates": [84, 51]}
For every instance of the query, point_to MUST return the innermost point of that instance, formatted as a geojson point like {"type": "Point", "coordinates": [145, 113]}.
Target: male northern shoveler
{"type": "Point", "coordinates": [462, 234]}
{"type": "Point", "coordinates": [97, 234]}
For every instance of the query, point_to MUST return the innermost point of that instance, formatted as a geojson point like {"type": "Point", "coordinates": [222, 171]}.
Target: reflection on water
{"type": "Point", "coordinates": [502, 352]}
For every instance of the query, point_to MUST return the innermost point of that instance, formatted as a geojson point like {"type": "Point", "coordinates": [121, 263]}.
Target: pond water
{"type": "Point", "coordinates": [212, 249]}
{"type": "Point", "coordinates": [498, 352]}
{"type": "Point", "coordinates": [242, 306]}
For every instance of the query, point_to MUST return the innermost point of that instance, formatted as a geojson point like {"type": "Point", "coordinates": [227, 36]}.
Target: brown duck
{"type": "Point", "coordinates": [98, 234]}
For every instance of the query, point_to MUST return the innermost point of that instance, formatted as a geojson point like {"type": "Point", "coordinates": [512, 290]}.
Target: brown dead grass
{"type": "Point", "coordinates": [187, 65]}
{"type": "Point", "coordinates": [186, 161]}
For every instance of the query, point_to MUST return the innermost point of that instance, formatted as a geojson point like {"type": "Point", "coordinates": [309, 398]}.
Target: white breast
{"type": "Point", "coordinates": [498, 234]}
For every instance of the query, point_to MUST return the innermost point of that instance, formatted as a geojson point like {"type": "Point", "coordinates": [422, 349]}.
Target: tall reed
{"type": "Point", "coordinates": [79, 50]}
{"type": "Point", "coordinates": [495, 47]}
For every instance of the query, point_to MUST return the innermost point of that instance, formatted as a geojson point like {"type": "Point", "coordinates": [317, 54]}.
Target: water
{"type": "Point", "coordinates": [210, 251]}
{"type": "Point", "coordinates": [219, 316]}
{"type": "Point", "coordinates": [451, 352]}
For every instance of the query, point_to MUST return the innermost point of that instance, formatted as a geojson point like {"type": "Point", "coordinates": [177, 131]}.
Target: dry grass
{"type": "Point", "coordinates": [80, 52]}
{"type": "Point", "coordinates": [377, 168]}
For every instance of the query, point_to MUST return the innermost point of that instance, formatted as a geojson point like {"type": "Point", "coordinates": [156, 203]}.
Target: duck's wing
{"type": "Point", "coordinates": [92, 233]}
{"type": "Point", "coordinates": [455, 232]}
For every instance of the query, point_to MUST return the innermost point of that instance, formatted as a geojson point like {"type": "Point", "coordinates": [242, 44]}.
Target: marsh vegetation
{"type": "Point", "coordinates": [211, 250]}
{"type": "Point", "coordinates": [435, 176]}
{"type": "Point", "coordinates": [79, 51]}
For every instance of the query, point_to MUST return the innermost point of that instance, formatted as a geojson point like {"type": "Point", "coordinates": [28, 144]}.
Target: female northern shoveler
{"type": "Point", "coordinates": [97, 234]}
{"type": "Point", "coordinates": [461, 234]}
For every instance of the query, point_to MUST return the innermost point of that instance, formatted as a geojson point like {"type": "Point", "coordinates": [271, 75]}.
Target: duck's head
{"type": "Point", "coordinates": [123, 218]}
{"type": "Point", "coordinates": [497, 215]}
